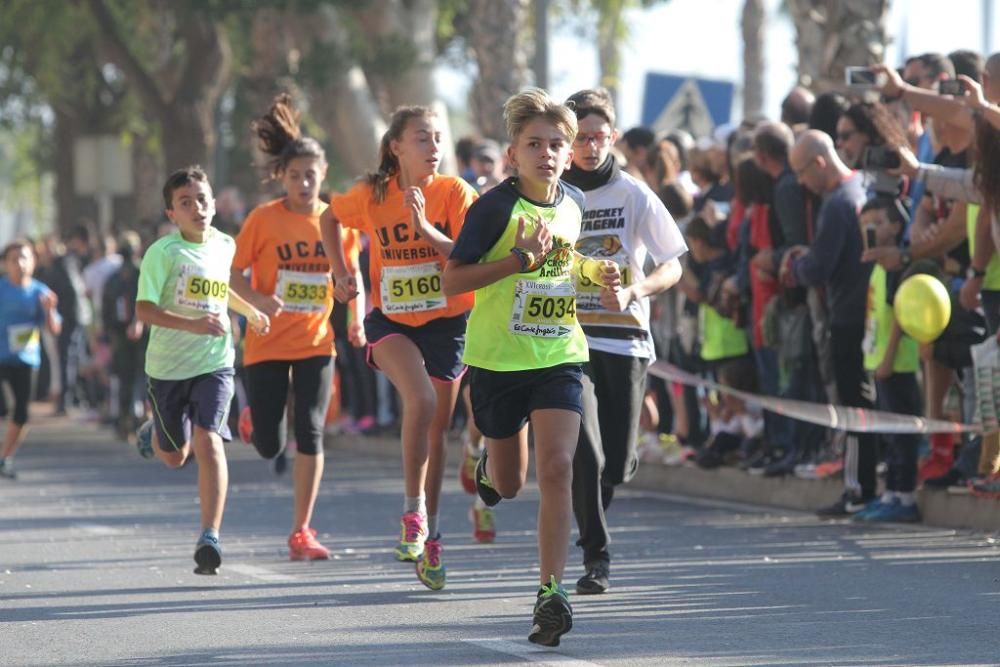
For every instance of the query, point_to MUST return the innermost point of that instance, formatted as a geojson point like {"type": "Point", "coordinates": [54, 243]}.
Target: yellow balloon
{"type": "Point", "coordinates": [922, 307]}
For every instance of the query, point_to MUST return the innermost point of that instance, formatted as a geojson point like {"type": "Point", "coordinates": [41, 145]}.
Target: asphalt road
{"type": "Point", "coordinates": [96, 569]}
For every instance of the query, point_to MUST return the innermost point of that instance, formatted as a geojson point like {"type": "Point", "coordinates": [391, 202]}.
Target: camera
{"type": "Point", "coordinates": [859, 76]}
{"type": "Point", "coordinates": [877, 158]}
{"type": "Point", "coordinates": [870, 240]}
{"type": "Point", "coordinates": [951, 87]}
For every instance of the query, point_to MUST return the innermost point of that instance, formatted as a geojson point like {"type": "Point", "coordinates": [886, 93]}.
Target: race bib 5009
{"type": "Point", "coordinates": [197, 289]}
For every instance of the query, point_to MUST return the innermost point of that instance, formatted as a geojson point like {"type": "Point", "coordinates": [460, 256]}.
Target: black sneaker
{"type": "Point", "coordinates": [7, 469]}
{"type": "Point", "coordinates": [951, 478]}
{"type": "Point", "coordinates": [207, 554]}
{"type": "Point", "coordinates": [596, 579]}
{"type": "Point", "coordinates": [847, 505]}
{"type": "Point", "coordinates": [553, 616]}
{"type": "Point", "coordinates": [485, 490]}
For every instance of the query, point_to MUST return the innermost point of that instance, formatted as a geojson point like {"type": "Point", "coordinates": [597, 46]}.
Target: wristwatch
{"type": "Point", "coordinates": [973, 272]}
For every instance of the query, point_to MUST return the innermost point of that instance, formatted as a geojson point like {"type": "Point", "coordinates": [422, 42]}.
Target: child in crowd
{"type": "Point", "coordinates": [893, 358]}
{"type": "Point", "coordinates": [26, 306]}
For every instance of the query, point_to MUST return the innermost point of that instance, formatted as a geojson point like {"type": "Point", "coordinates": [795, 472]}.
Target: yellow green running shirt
{"type": "Point", "coordinates": [527, 320]}
{"type": "Point", "coordinates": [189, 279]}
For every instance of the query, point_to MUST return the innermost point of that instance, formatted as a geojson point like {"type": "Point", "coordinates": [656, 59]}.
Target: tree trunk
{"type": "Point", "coordinates": [834, 34]}
{"type": "Point", "coordinates": [185, 114]}
{"type": "Point", "coordinates": [495, 35]}
{"type": "Point", "coordinates": [752, 24]}
{"type": "Point", "coordinates": [342, 102]}
{"type": "Point", "coordinates": [611, 33]}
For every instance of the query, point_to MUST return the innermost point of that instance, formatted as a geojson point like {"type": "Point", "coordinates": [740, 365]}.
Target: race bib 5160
{"type": "Point", "coordinates": [410, 289]}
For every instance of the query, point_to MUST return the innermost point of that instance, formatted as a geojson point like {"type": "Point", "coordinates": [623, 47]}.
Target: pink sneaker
{"type": "Point", "coordinates": [303, 545]}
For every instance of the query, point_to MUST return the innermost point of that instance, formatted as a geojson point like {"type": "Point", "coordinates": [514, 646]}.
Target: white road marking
{"type": "Point", "coordinates": [98, 529]}
{"type": "Point", "coordinates": [534, 654]}
{"type": "Point", "coordinates": [260, 573]}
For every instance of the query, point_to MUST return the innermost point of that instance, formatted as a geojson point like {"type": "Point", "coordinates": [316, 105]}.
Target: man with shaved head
{"type": "Point", "coordinates": [833, 262]}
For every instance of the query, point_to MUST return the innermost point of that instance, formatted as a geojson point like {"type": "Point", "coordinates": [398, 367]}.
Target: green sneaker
{"type": "Point", "coordinates": [553, 616]}
{"type": "Point", "coordinates": [413, 534]}
{"type": "Point", "coordinates": [430, 570]}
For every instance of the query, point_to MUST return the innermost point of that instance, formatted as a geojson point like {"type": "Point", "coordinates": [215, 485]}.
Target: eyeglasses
{"type": "Point", "coordinates": [599, 140]}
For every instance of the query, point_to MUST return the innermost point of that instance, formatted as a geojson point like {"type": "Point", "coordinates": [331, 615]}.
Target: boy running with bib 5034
{"type": "Point", "coordinates": [184, 296]}
{"type": "Point", "coordinates": [524, 346]}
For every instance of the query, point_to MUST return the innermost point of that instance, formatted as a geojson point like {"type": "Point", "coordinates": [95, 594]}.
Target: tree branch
{"type": "Point", "coordinates": [122, 56]}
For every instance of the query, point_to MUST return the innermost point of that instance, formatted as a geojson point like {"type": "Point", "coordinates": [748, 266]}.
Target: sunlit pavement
{"type": "Point", "coordinates": [96, 569]}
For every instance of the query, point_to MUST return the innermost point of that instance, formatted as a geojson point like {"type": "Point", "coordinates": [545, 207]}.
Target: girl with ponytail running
{"type": "Point", "coordinates": [280, 244]}
{"type": "Point", "coordinates": [415, 333]}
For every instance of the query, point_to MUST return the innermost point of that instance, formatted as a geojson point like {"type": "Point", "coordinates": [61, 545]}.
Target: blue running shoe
{"type": "Point", "coordinates": [871, 508]}
{"type": "Point", "coordinates": [896, 512]}
{"type": "Point", "coordinates": [144, 440]}
{"type": "Point", "coordinates": [208, 553]}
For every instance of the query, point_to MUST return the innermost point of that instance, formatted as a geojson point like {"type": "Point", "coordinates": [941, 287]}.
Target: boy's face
{"type": "Point", "coordinates": [192, 207]}
{"type": "Point", "coordinates": [885, 231]}
{"type": "Point", "coordinates": [593, 142]}
{"type": "Point", "coordinates": [540, 153]}
{"type": "Point", "coordinates": [20, 263]}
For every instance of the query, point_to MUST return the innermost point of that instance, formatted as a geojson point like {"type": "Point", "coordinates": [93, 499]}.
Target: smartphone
{"type": "Point", "coordinates": [869, 238]}
{"type": "Point", "coordinates": [877, 158]}
{"type": "Point", "coordinates": [951, 87]}
{"type": "Point", "coordinates": [859, 76]}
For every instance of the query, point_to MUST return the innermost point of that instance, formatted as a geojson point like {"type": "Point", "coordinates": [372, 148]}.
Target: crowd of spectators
{"type": "Point", "coordinates": [800, 230]}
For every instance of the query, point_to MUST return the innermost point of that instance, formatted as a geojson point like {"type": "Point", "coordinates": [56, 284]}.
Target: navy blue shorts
{"type": "Point", "coordinates": [502, 401]}
{"type": "Point", "coordinates": [441, 342]}
{"type": "Point", "coordinates": [203, 400]}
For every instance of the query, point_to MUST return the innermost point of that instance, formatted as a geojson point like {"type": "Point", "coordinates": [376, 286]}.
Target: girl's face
{"type": "Point", "coordinates": [20, 263]}
{"type": "Point", "coordinates": [540, 153]}
{"type": "Point", "coordinates": [593, 142]}
{"type": "Point", "coordinates": [419, 147]}
{"type": "Point", "coordinates": [302, 179]}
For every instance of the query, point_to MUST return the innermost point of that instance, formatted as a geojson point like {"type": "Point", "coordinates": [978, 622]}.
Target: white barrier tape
{"type": "Point", "coordinates": [855, 420]}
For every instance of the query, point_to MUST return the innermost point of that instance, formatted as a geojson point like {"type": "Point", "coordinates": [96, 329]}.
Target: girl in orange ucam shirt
{"type": "Point", "coordinates": [416, 334]}
{"type": "Point", "coordinates": [280, 243]}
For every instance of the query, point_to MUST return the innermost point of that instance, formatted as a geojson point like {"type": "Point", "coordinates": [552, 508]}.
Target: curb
{"type": "Point", "coordinates": [939, 508]}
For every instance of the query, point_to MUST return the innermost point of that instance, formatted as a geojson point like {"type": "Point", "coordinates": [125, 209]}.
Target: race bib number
{"type": "Point", "coordinates": [22, 338]}
{"type": "Point", "coordinates": [304, 292]}
{"type": "Point", "coordinates": [197, 289]}
{"type": "Point", "coordinates": [411, 289]}
{"type": "Point", "coordinates": [543, 309]}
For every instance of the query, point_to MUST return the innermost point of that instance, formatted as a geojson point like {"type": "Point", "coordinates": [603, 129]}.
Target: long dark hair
{"type": "Point", "coordinates": [280, 138]}
{"type": "Point", "coordinates": [388, 163]}
{"type": "Point", "coordinates": [987, 164]}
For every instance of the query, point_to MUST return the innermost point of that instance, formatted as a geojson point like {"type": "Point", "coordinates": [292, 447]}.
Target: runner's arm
{"type": "Point", "coordinates": [460, 277]}
{"type": "Point", "coordinates": [150, 313]}
{"type": "Point", "coordinates": [660, 279]}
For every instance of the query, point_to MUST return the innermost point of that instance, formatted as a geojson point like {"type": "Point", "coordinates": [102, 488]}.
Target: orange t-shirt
{"type": "Point", "coordinates": [406, 271]}
{"type": "Point", "coordinates": [284, 252]}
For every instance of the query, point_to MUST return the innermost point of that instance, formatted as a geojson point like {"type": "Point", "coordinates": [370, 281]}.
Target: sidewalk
{"type": "Point", "coordinates": [939, 508]}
